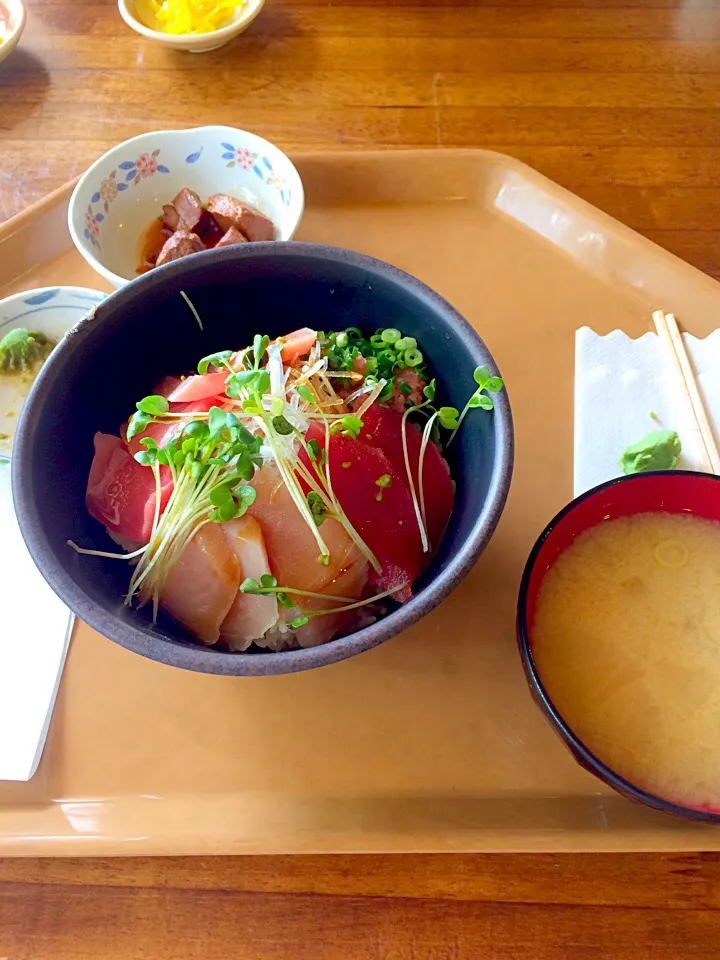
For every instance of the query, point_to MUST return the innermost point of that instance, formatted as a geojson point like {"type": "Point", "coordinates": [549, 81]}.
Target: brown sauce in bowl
{"type": "Point", "coordinates": [152, 240]}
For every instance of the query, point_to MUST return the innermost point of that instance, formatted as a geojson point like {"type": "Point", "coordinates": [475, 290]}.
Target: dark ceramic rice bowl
{"type": "Point", "coordinates": [145, 330]}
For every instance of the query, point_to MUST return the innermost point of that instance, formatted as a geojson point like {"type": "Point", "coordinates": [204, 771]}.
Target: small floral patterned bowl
{"type": "Point", "coordinates": [120, 195]}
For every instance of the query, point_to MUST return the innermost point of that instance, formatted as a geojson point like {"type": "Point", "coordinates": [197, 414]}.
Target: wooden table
{"type": "Point", "coordinates": [619, 100]}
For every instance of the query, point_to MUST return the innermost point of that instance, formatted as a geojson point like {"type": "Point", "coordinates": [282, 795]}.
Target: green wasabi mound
{"type": "Point", "coordinates": [23, 351]}
{"type": "Point", "coordinates": [659, 450]}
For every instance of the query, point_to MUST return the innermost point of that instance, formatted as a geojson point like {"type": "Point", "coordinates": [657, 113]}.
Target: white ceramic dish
{"type": "Point", "coordinates": [194, 43]}
{"type": "Point", "coordinates": [118, 197]}
{"type": "Point", "coordinates": [51, 310]}
{"type": "Point", "coordinates": [12, 24]}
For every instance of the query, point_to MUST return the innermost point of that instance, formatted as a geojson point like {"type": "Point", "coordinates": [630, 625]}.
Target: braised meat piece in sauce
{"type": "Point", "coordinates": [170, 217]}
{"type": "Point", "coordinates": [230, 212]}
{"type": "Point", "coordinates": [187, 226]}
{"type": "Point", "coordinates": [189, 209]}
{"type": "Point", "coordinates": [231, 237]}
{"type": "Point", "coordinates": [208, 230]}
{"type": "Point", "coordinates": [180, 244]}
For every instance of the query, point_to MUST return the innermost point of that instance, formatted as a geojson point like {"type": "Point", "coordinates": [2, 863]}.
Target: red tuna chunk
{"type": "Point", "coordinates": [120, 492]}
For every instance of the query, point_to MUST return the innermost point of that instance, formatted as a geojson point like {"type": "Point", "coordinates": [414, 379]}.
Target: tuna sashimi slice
{"type": "Point", "coordinates": [250, 617]}
{"type": "Point", "coordinates": [292, 549]}
{"type": "Point", "coordinates": [202, 586]}
{"type": "Point", "coordinates": [382, 427]}
{"type": "Point", "coordinates": [383, 515]}
{"type": "Point", "coordinates": [120, 492]}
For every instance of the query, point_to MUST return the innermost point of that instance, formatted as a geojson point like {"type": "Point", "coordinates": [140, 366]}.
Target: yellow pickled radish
{"type": "Point", "coordinates": [186, 16]}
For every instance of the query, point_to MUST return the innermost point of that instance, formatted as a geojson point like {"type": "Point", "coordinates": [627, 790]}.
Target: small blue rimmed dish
{"type": "Point", "coordinates": [663, 492]}
{"type": "Point", "coordinates": [49, 310]}
{"type": "Point", "coordinates": [145, 330]}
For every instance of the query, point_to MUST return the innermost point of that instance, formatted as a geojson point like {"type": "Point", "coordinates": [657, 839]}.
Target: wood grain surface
{"type": "Point", "coordinates": [618, 100]}
{"type": "Point", "coordinates": [491, 907]}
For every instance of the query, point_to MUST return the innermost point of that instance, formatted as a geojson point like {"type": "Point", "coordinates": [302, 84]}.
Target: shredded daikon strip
{"type": "Point", "coordinates": [275, 369]}
{"type": "Point", "coordinates": [329, 389]}
{"type": "Point", "coordinates": [311, 371]}
{"type": "Point", "coordinates": [314, 352]}
{"type": "Point", "coordinates": [372, 398]}
{"type": "Point", "coordinates": [365, 388]}
{"type": "Point", "coordinates": [294, 415]}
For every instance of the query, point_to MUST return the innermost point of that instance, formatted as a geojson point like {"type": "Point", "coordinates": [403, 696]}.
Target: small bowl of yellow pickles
{"type": "Point", "coordinates": [193, 25]}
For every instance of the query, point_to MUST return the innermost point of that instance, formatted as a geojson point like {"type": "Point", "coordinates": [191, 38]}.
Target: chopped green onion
{"type": "Point", "coordinates": [387, 356]}
{"type": "Point", "coordinates": [413, 357]}
{"type": "Point", "coordinates": [387, 391]}
{"type": "Point", "coordinates": [390, 335]}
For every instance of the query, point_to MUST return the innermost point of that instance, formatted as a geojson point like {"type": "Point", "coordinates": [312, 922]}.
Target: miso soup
{"type": "Point", "coordinates": [626, 640]}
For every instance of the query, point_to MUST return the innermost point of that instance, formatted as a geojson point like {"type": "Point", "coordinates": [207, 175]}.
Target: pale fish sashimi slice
{"type": "Point", "coordinates": [291, 546]}
{"type": "Point", "coordinates": [350, 583]}
{"type": "Point", "coordinates": [202, 586]}
{"type": "Point", "coordinates": [250, 617]}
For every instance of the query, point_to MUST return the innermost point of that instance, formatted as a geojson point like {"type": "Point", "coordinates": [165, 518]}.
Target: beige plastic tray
{"type": "Point", "coordinates": [431, 741]}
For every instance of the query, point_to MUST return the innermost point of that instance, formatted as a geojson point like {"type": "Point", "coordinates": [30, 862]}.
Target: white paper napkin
{"type": "Point", "coordinates": [35, 629]}
{"type": "Point", "coordinates": [620, 382]}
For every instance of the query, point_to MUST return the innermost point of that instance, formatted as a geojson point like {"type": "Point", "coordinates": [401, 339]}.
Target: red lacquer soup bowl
{"type": "Point", "coordinates": [671, 491]}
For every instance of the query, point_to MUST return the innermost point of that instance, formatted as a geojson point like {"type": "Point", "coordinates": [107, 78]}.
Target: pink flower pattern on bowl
{"type": "Point", "coordinates": [108, 190]}
{"type": "Point", "coordinates": [260, 166]}
{"type": "Point", "coordinates": [244, 158]}
{"type": "Point", "coordinates": [146, 165]}
{"type": "Point", "coordinates": [92, 226]}
{"type": "Point", "coordinates": [128, 173]}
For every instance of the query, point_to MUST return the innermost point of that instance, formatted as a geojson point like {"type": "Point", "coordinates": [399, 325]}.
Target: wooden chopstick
{"type": "Point", "coordinates": [667, 328]}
